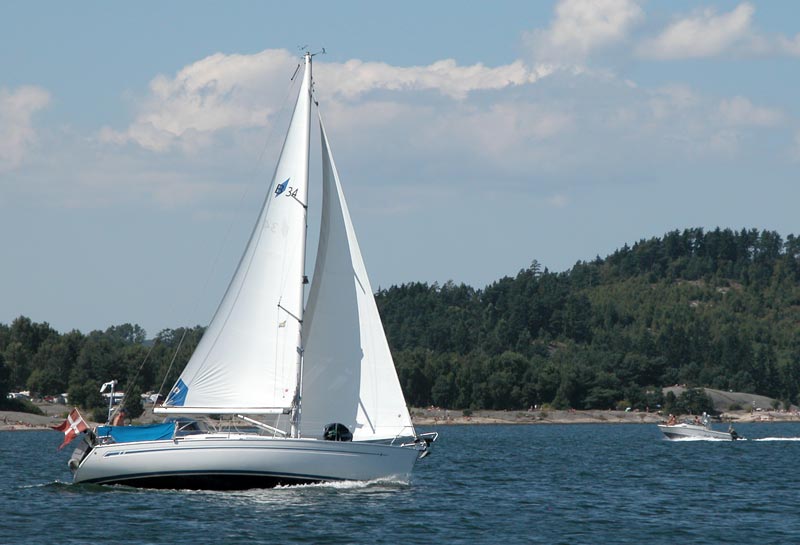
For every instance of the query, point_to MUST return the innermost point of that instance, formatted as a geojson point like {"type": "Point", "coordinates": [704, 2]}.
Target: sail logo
{"type": "Point", "coordinates": [281, 187]}
{"type": "Point", "coordinates": [177, 397]}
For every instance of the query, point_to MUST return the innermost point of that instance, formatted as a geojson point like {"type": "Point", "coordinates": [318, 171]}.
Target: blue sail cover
{"type": "Point", "coordinates": [128, 434]}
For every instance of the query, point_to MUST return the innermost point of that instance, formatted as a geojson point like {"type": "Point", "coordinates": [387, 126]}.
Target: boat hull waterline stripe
{"type": "Point", "coordinates": [279, 478]}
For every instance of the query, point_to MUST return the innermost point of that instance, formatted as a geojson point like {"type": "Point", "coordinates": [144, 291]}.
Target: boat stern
{"type": "Point", "coordinates": [80, 453]}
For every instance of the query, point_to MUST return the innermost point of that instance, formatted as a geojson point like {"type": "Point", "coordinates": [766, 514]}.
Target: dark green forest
{"type": "Point", "coordinates": [717, 308]}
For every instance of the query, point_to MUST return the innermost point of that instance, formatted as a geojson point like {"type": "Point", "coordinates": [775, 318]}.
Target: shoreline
{"type": "Point", "coordinates": [18, 421]}
{"type": "Point", "coordinates": [437, 417]}
{"type": "Point", "coordinates": [444, 417]}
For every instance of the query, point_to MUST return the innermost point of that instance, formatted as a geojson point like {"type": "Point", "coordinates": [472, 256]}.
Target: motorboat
{"type": "Point", "coordinates": [697, 430]}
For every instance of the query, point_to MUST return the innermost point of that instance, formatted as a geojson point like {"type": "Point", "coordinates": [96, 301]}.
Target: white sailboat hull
{"type": "Point", "coordinates": [239, 461]}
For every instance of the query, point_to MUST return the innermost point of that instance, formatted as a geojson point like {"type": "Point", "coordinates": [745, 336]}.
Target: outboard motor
{"type": "Point", "coordinates": [337, 432]}
{"type": "Point", "coordinates": [82, 451]}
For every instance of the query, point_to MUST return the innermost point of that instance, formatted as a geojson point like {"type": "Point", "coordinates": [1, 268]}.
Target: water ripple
{"type": "Point", "coordinates": [483, 484]}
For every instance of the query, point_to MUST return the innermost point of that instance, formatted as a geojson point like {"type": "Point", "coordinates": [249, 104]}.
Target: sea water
{"type": "Point", "coordinates": [593, 484]}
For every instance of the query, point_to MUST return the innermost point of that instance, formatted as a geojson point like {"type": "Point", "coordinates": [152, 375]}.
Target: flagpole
{"type": "Point", "coordinates": [111, 383]}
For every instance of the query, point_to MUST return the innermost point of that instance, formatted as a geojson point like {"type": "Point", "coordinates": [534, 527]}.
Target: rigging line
{"type": "Point", "coordinates": [252, 177]}
{"type": "Point", "coordinates": [366, 415]}
{"type": "Point", "coordinates": [127, 388]}
{"type": "Point", "coordinates": [174, 357]}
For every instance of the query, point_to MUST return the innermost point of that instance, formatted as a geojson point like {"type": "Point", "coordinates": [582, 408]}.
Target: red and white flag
{"type": "Point", "coordinates": [72, 426]}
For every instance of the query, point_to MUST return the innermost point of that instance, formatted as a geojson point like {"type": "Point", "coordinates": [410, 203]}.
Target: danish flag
{"type": "Point", "coordinates": [72, 426]}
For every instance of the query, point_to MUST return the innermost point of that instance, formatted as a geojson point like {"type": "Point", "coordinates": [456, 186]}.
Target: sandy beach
{"type": "Point", "coordinates": [16, 421]}
{"type": "Point", "coordinates": [437, 417]}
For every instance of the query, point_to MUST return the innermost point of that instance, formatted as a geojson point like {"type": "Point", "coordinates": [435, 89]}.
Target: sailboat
{"type": "Point", "coordinates": [279, 390]}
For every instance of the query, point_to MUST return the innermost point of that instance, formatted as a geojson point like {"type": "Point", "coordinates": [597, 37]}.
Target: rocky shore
{"type": "Point", "coordinates": [16, 421]}
{"type": "Point", "coordinates": [435, 417]}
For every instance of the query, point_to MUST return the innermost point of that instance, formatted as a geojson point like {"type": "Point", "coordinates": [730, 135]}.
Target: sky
{"type": "Point", "coordinates": [137, 140]}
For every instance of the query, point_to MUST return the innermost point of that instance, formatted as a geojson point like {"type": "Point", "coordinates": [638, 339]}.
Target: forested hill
{"type": "Point", "coordinates": [718, 309]}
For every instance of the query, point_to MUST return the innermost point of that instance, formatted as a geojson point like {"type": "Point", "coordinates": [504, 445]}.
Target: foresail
{"type": "Point", "coordinates": [248, 358]}
{"type": "Point", "coordinates": [348, 371]}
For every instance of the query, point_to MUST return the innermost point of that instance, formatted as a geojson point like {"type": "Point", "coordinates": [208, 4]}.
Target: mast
{"type": "Point", "coordinates": [297, 401]}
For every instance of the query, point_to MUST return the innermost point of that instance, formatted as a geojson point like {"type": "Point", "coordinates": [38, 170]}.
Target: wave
{"type": "Point", "coordinates": [59, 486]}
{"type": "Point", "coordinates": [762, 439]}
{"type": "Point", "coordinates": [300, 495]}
{"type": "Point", "coordinates": [346, 485]}
{"type": "Point", "coordinates": [51, 484]}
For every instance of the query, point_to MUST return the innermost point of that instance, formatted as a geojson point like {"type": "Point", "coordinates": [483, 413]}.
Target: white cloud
{"type": "Point", "coordinates": [354, 78]}
{"type": "Point", "coordinates": [723, 142]}
{"type": "Point", "coordinates": [790, 46]}
{"type": "Point", "coordinates": [504, 131]}
{"type": "Point", "coordinates": [17, 134]}
{"type": "Point", "coordinates": [669, 101]}
{"type": "Point", "coordinates": [224, 92]}
{"type": "Point", "coordinates": [704, 34]}
{"type": "Point", "coordinates": [582, 26]}
{"type": "Point", "coordinates": [794, 151]}
{"type": "Point", "coordinates": [434, 115]}
{"type": "Point", "coordinates": [212, 94]}
{"type": "Point", "coordinates": [472, 139]}
{"type": "Point", "coordinates": [471, 123]}
{"type": "Point", "coordinates": [559, 200]}
{"type": "Point", "coordinates": [678, 121]}
{"type": "Point", "coordinates": [740, 111]}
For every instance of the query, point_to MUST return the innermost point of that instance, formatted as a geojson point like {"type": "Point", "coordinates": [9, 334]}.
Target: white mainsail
{"type": "Point", "coordinates": [247, 360]}
{"type": "Point", "coordinates": [348, 371]}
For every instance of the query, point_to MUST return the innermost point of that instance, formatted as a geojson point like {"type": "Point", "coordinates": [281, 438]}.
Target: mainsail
{"type": "Point", "coordinates": [348, 372]}
{"type": "Point", "coordinates": [247, 360]}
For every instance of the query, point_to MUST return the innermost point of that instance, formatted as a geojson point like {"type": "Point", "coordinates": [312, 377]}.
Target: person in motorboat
{"type": "Point", "coordinates": [672, 421]}
{"type": "Point", "coordinates": [697, 421]}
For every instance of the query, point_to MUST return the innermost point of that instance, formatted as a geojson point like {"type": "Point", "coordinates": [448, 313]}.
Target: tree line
{"type": "Point", "coordinates": [35, 357]}
{"type": "Point", "coordinates": [714, 308]}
